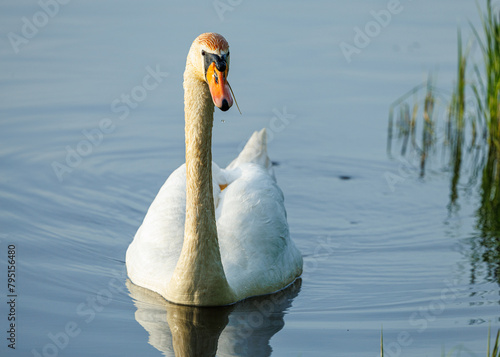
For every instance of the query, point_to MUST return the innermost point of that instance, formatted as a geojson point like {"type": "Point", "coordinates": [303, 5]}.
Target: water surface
{"type": "Point", "coordinates": [377, 252]}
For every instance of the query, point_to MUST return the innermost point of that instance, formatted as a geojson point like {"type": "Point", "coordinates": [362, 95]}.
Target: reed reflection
{"type": "Point", "coordinates": [472, 161]}
{"type": "Point", "coordinates": [488, 219]}
{"type": "Point", "coordinates": [471, 140]}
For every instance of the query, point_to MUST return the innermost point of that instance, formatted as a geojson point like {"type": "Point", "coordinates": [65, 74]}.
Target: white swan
{"type": "Point", "coordinates": [214, 236]}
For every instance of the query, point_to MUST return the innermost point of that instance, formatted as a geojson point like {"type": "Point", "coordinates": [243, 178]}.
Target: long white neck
{"type": "Point", "coordinates": [199, 277]}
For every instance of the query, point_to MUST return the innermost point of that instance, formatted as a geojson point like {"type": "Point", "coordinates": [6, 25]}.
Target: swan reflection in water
{"type": "Point", "coordinates": [243, 329]}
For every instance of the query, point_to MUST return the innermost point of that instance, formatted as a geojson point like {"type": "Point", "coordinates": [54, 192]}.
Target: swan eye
{"type": "Point", "coordinates": [203, 52]}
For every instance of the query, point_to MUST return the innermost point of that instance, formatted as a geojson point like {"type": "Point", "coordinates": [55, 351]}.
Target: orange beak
{"type": "Point", "coordinates": [219, 88]}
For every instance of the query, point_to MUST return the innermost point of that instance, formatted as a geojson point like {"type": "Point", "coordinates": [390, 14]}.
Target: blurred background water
{"type": "Point", "coordinates": [85, 146]}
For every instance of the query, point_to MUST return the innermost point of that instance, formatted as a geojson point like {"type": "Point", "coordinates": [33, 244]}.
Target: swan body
{"type": "Point", "coordinates": [214, 236]}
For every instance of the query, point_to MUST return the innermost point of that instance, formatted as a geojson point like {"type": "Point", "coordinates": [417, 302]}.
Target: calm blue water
{"type": "Point", "coordinates": [84, 148]}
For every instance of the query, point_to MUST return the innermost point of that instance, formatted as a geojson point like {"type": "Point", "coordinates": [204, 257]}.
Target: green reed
{"type": "Point", "coordinates": [407, 120]}
{"type": "Point", "coordinates": [487, 88]}
{"type": "Point", "coordinates": [456, 121]}
{"type": "Point", "coordinates": [471, 141]}
{"type": "Point", "coordinates": [487, 97]}
{"type": "Point", "coordinates": [496, 346]}
{"type": "Point", "coordinates": [487, 92]}
{"type": "Point", "coordinates": [478, 119]}
{"type": "Point", "coordinates": [470, 146]}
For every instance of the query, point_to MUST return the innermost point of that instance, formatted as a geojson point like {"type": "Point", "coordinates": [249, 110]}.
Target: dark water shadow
{"type": "Point", "coordinates": [486, 245]}
{"type": "Point", "coordinates": [243, 329]}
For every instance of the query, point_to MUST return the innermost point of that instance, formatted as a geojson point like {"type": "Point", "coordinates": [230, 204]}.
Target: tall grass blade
{"type": "Point", "coordinates": [488, 345]}
{"type": "Point", "coordinates": [382, 341]}
{"type": "Point", "coordinates": [496, 351]}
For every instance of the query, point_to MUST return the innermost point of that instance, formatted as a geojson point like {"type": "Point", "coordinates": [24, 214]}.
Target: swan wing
{"type": "Point", "coordinates": [256, 250]}
{"type": "Point", "coordinates": [153, 254]}
{"type": "Point", "coordinates": [257, 253]}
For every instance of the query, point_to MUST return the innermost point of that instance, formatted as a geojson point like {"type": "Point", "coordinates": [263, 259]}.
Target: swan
{"type": "Point", "coordinates": [213, 236]}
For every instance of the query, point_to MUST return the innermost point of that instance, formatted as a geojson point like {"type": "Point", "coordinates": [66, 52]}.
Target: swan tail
{"type": "Point", "coordinates": [255, 152]}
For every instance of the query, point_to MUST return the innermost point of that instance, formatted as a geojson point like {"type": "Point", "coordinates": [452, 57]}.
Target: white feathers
{"type": "Point", "coordinates": [257, 253]}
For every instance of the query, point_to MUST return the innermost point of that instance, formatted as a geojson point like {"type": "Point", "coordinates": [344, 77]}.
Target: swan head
{"type": "Point", "coordinates": [208, 60]}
